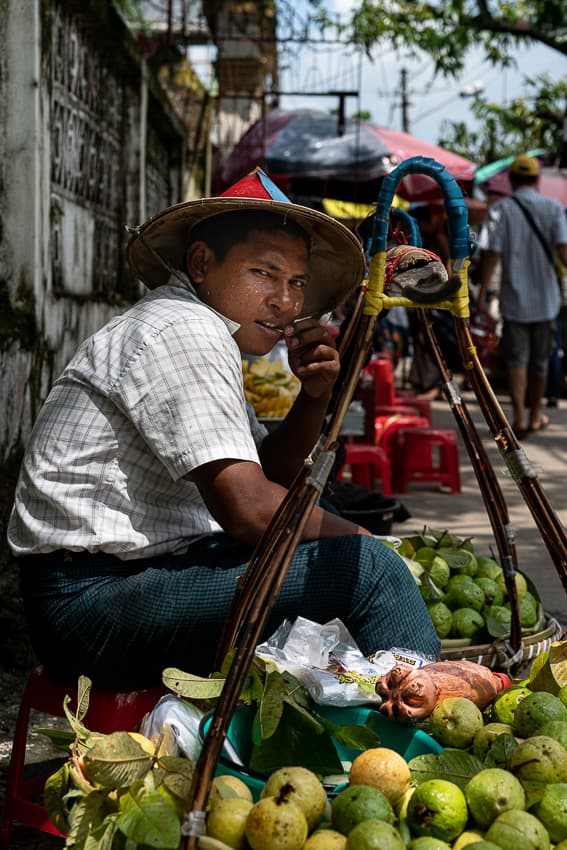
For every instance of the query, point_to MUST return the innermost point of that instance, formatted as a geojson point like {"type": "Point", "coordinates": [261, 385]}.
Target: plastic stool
{"type": "Point", "coordinates": [109, 711]}
{"type": "Point", "coordinates": [386, 426]}
{"type": "Point", "coordinates": [367, 464]}
{"type": "Point", "coordinates": [423, 455]}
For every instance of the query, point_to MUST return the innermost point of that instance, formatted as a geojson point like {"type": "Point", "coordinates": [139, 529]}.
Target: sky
{"type": "Point", "coordinates": [431, 100]}
{"type": "Point", "coordinates": [321, 68]}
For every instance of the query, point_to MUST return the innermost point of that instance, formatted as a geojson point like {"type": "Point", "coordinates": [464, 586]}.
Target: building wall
{"type": "Point", "coordinates": [88, 144]}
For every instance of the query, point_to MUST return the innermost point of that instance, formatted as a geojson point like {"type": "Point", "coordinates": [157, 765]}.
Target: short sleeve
{"type": "Point", "coordinates": [184, 394]}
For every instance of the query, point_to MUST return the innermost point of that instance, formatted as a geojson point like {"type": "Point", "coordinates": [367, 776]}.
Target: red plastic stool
{"type": "Point", "coordinates": [386, 426]}
{"type": "Point", "coordinates": [423, 455]}
{"type": "Point", "coordinates": [367, 464]}
{"type": "Point", "coordinates": [109, 711]}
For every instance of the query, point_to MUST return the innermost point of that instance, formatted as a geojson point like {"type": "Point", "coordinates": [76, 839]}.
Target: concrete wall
{"type": "Point", "coordinates": [88, 143]}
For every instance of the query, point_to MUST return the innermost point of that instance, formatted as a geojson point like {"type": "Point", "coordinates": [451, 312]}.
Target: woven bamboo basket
{"type": "Point", "coordinates": [498, 654]}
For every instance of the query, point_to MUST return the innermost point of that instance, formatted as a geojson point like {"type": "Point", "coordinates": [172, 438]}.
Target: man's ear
{"type": "Point", "coordinates": [197, 260]}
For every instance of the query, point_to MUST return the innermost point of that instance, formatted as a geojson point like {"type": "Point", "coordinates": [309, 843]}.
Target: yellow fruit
{"type": "Point", "coordinates": [469, 836]}
{"type": "Point", "coordinates": [227, 785]}
{"type": "Point", "coordinates": [325, 839]}
{"type": "Point", "coordinates": [302, 787]}
{"type": "Point", "coordinates": [274, 823]}
{"type": "Point", "coordinates": [227, 819]}
{"type": "Point", "coordinates": [144, 742]}
{"type": "Point", "coordinates": [384, 769]}
{"type": "Point", "coordinates": [520, 581]}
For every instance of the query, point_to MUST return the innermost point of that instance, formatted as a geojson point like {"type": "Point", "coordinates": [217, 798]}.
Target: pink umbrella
{"type": "Point", "coordinates": [304, 154]}
{"type": "Point", "coordinates": [418, 187]}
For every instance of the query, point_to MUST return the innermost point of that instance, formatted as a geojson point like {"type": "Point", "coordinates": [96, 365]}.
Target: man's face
{"type": "Point", "coordinates": [259, 284]}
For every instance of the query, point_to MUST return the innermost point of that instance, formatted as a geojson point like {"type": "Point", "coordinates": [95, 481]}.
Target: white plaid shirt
{"type": "Point", "coordinates": [529, 290]}
{"type": "Point", "coordinates": [151, 396]}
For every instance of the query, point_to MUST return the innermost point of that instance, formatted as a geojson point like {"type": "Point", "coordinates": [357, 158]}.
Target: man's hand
{"type": "Point", "coordinates": [312, 356]}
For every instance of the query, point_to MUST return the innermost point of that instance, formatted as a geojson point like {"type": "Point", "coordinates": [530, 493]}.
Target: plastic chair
{"type": "Point", "coordinates": [367, 464]}
{"type": "Point", "coordinates": [386, 426]}
{"type": "Point", "coordinates": [425, 455]}
{"type": "Point", "coordinates": [109, 711]}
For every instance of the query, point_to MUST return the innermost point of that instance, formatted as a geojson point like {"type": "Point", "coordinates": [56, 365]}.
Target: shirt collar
{"type": "Point", "coordinates": [181, 279]}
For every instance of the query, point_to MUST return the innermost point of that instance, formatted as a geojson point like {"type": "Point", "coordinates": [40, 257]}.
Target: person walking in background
{"type": "Point", "coordinates": [524, 233]}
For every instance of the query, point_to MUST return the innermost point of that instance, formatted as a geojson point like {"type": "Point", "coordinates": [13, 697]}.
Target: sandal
{"type": "Point", "coordinates": [543, 423]}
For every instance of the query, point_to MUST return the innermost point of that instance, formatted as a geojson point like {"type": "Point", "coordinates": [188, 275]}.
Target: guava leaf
{"type": "Point", "coordinates": [176, 774]}
{"type": "Point", "coordinates": [59, 737]}
{"type": "Point", "coordinates": [83, 696]}
{"type": "Point", "coordinates": [253, 687]}
{"type": "Point", "coordinates": [352, 735]}
{"type": "Point", "coordinates": [55, 789]}
{"type": "Point", "coordinates": [191, 687]}
{"type": "Point", "coordinates": [270, 708]}
{"type": "Point", "coordinates": [406, 548]}
{"type": "Point", "coordinates": [296, 691]}
{"type": "Point", "coordinates": [79, 731]}
{"type": "Point", "coordinates": [500, 752]}
{"type": "Point", "coordinates": [456, 558]}
{"type": "Point", "coordinates": [496, 628]}
{"type": "Point", "coordinates": [86, 815]}
{"type": "Point", "coordinates": [308, 745]}
{"type": "Point", "coordinates": [457, 766]}
{"type": "Point", "coordinates": [146, 818]}
{"type": "Point", "coordinates": [102, 838]}
{"type": "Point", "coordinates": [552, 675]}
{"type": "Point", "coordinates": [116, 761]}
{"type": "Point", "coordinates": [429, 590]}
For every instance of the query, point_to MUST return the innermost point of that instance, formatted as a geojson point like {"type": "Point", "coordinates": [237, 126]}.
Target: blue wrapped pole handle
{"type": "Point", "coordinates": [457, 213]}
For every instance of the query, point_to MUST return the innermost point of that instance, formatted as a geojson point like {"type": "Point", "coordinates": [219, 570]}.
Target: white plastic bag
{"type": "Point", "coordinates": [327, 661]}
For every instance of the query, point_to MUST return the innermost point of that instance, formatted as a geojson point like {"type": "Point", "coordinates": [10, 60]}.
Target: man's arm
{"type": "Point", "coordinates": [489, 262]}
{"type": "Point", "coordinates": [243, 501]}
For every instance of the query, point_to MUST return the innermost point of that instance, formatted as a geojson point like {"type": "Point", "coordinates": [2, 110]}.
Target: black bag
{"type": "Point", "coordinates": [367, 508]}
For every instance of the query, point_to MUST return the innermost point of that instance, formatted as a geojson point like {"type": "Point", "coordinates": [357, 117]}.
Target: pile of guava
{"type": "Point", "coordinates": [465, 592]}
{"type": "Point", "coordinates": [500, 783]}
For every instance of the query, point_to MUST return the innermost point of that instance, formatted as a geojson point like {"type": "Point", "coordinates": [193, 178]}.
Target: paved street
{"type": "Point", "coordinates": [462, 514]}
{"type": "Point", "coordinates": [466, 516]}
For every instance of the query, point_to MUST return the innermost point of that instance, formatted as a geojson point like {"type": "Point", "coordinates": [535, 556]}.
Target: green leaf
{"type": "Point", "coordinates": [496, 628]}
{"type": "Point", "coordinates": [59, 737]}
{"type": "Point", "coordinates": [253, 688]}
{"type": "Point", "coordinates": [103, 837]}
{"type": "Point", "coordinates": [351, 735]}
{"type": "Point", "coordinates": [55, 789]}
{"type": "Point", "coordinates": [270, 709]}
{"type": "Point", "coordinates": [177, 775]}
{"type": "Point", "coordinates": [191, 687]}
{"type": "Point", "coordinates": [83, 696]}
{"type": "Point", "coordinates": [457, 559]}
{"type": "Point", "coordinates": [500, 753]}
{"type": "Point", "coordinates": [79, 731]}
{"type": "Point", "coordinates": [146, 818]}
{"type": "Point", "coordinates": [116, 761]}
{"type": "Point", "coordinates": [552, 675]}
{"type": "Point", "coordinates": [457, 766]}
{"type": "Point", "coordinates": [297, 692]}
{"type": "Point", "coordinates": [296, 744]}
{"type": "Point", "coordinates": [85, 817]}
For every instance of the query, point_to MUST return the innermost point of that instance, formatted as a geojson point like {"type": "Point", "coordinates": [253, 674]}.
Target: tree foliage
{"type": "Point", "coordinates": [533, 121]}
{"type": "Point", "coordinates": [446, 30]}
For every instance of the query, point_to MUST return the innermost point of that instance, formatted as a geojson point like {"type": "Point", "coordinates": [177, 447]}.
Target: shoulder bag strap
{"type": "Point", "coordinates": [538, 233]}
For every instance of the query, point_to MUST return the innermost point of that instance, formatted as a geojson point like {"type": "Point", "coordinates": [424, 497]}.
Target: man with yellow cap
{"type": "Point", "coordinates": [523, 233]}
{"type": "Point", "coordinates": [148, 480]}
